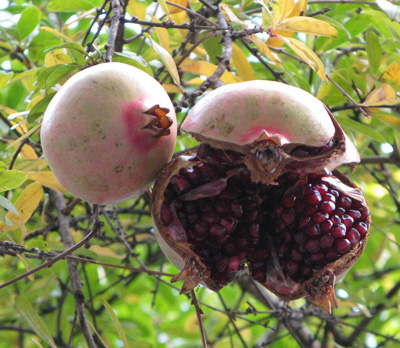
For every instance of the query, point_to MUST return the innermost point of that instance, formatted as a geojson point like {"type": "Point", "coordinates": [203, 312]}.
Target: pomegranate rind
{"type": "Point", "coordinates": [178, 252]}
{"type": "Point", "coordinates": [245, 112]}
{"type": "Point", "coordinates": [93, 134]}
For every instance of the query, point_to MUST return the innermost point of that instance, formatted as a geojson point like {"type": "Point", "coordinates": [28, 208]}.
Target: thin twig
{"type": "Point", "coordinates": [112, 35]}
{"type": "Point", "coordinates": [199, 318]}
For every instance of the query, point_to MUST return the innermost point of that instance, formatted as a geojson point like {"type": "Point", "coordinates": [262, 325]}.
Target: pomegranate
{"type": "Point", "coordinates": [108, 132]}
{"type": "Point", "coordinates": [262, 192]}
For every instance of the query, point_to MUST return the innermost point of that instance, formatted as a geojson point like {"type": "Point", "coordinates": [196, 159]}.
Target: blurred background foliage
{"type": "Point", "coordinates": [345, 52]}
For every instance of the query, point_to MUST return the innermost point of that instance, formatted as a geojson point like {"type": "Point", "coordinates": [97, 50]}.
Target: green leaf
{"type": "Point", "coordinates": [39, 109]}
{"type": "Point", "coordinates": [39, 244]}
{"type": "Point", "coordinates": [5, 78]}
{"type": "Point", "coordinates": [72, 5]}
{"type": "Point", "coordinates": [58, 74]}
{"type": "Point", "coordinates": [166, 58]}
{"type": "Point", "coordinates": [361, 128]}
{"type": "Point", "coordinates": [3, 218]}
{"type": "Point", "coordinates": [374, 51]}
{"type": "Point", "coordinates": [70, 45]}
{"type": "Point", "coordinates": [10, 179]}
{"type": "Point", "coordinates": [117, 324]}
{"type": "Point", "coordinates": [33, 319]}
{"type": "Point", "coordinates": [30, 18]}
{"type": "Point", "coordinates": [5, 203]}
{"type": "Point", "coordinates": [134, 60]}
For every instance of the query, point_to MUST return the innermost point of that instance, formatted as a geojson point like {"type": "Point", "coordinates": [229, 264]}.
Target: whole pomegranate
{"type": "Point", "coordinates": [108, 132]}
{"type": "Point", "coordinates": [260, 192]}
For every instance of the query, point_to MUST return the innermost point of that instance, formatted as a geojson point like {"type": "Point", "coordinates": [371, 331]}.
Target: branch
{"type": "Point", "coordinates": [76, 282]}
{"type": "Point", "coordinates": [295, 326]}
{"type": "Point", "coordinates": [199, 312]}
{"type": "Point", "coordinates": [114, 26]}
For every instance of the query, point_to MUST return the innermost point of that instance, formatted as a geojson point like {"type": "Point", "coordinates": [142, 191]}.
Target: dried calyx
{"type": "Point", "coordinates": [260, 193]}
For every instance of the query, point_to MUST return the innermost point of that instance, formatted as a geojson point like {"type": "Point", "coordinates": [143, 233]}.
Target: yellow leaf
{"type": "Point", "coordinates": [277, 11]}
{"type": "Point", "coordinates": [166, 59]}
{"type": "Point", "coordinates": [384, 95]}
{"type": "Point", "coordinates": [308, 55]}
{"type": "Point", "coordinates": [195, 81]}
{"type": "Point", "coordinates": [287, 7]}
{"type": "Point", "coordinates": [393, 121]}
{"type": "Point", "coordinates": [47, 179]}
{"type": "Point", "coordinates": [308, 25]}
{"type": "Point", "coordinates": [26, 135]}
{"type": "Point", "coordinates": [162, 34]}
{"type": "Point", "coordinates": [107, 252]}
{"type": "Point", "coordinates": [55, 32]}
{"type": "Point", "coordinates": [241, 64]}
{"type": "Point", "coordinates": [164, 7]}
{"type": "Point", "coordinates": [28, 152]}
{"type": "Point", "coordinates": [26, 204]}
{"type": "Point", "coordinates": [229, 14]}
{"type": "Point", "coordinates": [265, 50]}
{"type": "Point", "coordinates": [173, 9]}
{"type": "Point", "coordinates": [207, 69]}
{"type": "Point", "coordinates": [392, 72]}
{"type": "Point", "coordinates": [57, 57]}
{"type": "Point", "coordinates": [171, 88]}
{"type": "Point", "coordinates": [137, 8]}
{"type": "Point", "coordinates": [7, 109]}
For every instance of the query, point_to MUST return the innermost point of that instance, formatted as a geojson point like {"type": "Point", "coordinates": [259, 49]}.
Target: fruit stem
{"type": "Point", "coordinates": [199, 312]}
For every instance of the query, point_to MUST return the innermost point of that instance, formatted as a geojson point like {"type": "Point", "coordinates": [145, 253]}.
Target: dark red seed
{"type": "Point", "coordinates": [234, 264]}
{"type": "Point", "coordinates": [259, 275]}
{"type": "Point", "coordinates": [339, 211]}
{"type": "Point", "coordinates": [335, 193]}
{"type": "Point", "coordinates": [364, 213]}
{"type": "Point", "coordinates": [345, 202]}
{"type": "Point", "coordinates": [251, 215]}
{"type": "Point", "coordinates": [221, 264]}
{"type": "Point", "coordinates": [211, 218]}
{"type": "Point", "coordinates": [230, 248]}
{"type": "Point", "coordinates": [292, 267]}
{"type": "Point", "coordinates": [180, 184]}
{"type": "Point", "coordinates": [355, 214]}
{"type": "Point", "coordinates": [336, 220]}
{"type": "Point", "coordinates": [313, 198]}
{"type": "Point", "coordinates": [295, 255]}
{"type": "Point", "coordinates": [342, 246]}
{"type": "Point", "coordinates": [254, 232]}
{"type": "Point", "coordinates": [347, 220]}
{"type": "Point", "coordinates": [228, 223]}
{"type": "Point", "coordinates": [312, 246]}
{"type": "Point", "coordinates": [304, 222]}
{"type": "Point", "coordinates": [288, 200]}
{"type": "Point", "coordinates": [201, 227]}
{"type": "Point", "coordinates": [320, 217]}
{"type": "Point", "coordinates": [353, 236]}
{"type": "Point", "coordinates": [310, 210]}
{"type": "Point", "coordinates": [326, 226]}
{"type": "Point", "coordinates": [166, 215]}
{"type": "Point", "coordinates": [299, 207]}
{"type": "Point", "coordinates": [362, 228]}
{"type": "Point", "coordinates": [222, 208]}
{"type": "Point", "coordinates": [191, 173]}
{"type": "Point", "coordinates": [326, 241]}
{"type": "Point", "coordinates": [321, 188]}
{"type": "Point", "coordinates": [307, 271]}
{"type": "Point", "coordinates": [227, 195]}
{"type": "Point", "coordinates": [191, 207]}
{"type": "Point", "coordinates": [317, 260]}
{"type": "Point", "coordinates": [237, 209]}
{"type": "Point", "coordinates": [338, 231]}
{"type": "Point", "coordinates": [329, 197]}
{"type": "Point", "coordinates": [193, 218]}
{"type": "Point", "coordinates": [327, 206]}
{"type": "Point", "coordinates": [288, 216]}
{"type": "Point", "coordinates": [259, 255]}
{"type": "Point", "coordinates": [332, 255]}
{"type": "Point", "coordinates": [217, 231]}
{"type": "Point", "coordinates": [300, 237]}
{"type": "Point", "coordinates": [314, 230]}
{"type": "Point", "coordinates": [207, 171]}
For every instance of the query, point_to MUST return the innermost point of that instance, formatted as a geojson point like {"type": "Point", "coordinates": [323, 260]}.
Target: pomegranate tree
{"type": "Point", "coordinates": [262, 192]}
{"type": "Point", "coordinates": [108, 132]}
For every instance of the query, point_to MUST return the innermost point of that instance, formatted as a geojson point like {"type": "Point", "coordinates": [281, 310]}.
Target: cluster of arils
{"type": "Point", "coordinates": [268, 202]}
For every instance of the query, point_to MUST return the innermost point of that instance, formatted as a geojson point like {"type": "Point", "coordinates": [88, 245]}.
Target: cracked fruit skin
{"type": "Point", "coordinates": [108, 132]}
{"type": "Point", "coordinates": [262, 192]}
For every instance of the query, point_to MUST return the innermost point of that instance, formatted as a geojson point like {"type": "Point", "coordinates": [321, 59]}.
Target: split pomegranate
{"type": "Point", "coordinates": [269, 201]}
